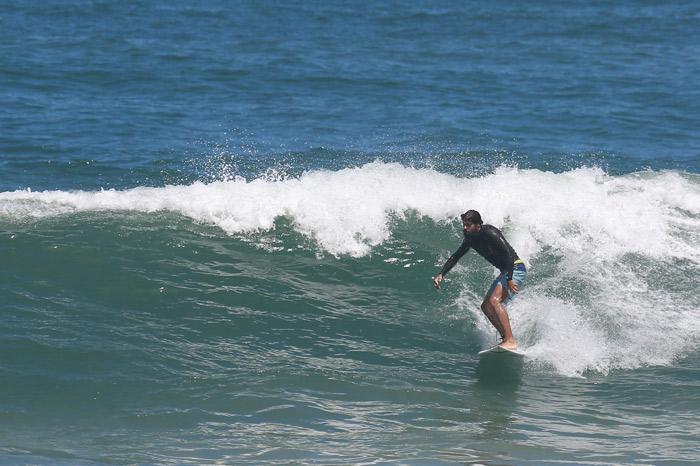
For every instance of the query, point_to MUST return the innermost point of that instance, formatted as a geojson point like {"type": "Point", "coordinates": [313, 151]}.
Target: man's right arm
{"type": "Point", "coordinates": [454, 258]}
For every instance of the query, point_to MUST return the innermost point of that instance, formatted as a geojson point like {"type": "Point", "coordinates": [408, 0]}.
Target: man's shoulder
{"type": "Point", "coordinates": [489, 229]}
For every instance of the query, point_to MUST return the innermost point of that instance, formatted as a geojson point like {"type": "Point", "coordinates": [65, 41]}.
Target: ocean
{"type": "Point", "coordinates": [220, 222]}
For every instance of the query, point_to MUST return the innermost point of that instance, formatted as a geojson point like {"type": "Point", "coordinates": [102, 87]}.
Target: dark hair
{"type": "Point", "coordinates": [472, 216]}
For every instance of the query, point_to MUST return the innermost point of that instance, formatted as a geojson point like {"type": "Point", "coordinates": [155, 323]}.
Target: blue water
{"type": "Point", "coordinates": [219, 223]}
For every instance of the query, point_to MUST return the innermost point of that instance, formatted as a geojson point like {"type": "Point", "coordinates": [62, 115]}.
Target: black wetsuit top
{"type": "Point", "coordinates": [491, 245]}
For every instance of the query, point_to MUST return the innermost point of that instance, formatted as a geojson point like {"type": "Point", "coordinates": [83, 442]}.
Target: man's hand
{"type": "Point", "coordinates": [436, 281]}
{"type": "Point", "coordinates": [513, 287]}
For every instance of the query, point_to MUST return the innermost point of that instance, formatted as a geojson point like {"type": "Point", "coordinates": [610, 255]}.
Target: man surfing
{"type": "Point", "coordinates": [489, 242]}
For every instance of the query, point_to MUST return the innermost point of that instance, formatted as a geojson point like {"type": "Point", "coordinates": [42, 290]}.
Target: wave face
{"type": "Point", "coordinates": [258, 321]}
{"type": "Point", "coordinates": [610, 258]}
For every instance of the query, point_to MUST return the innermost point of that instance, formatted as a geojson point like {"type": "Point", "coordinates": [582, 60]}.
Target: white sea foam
{"type": "Point", "coordinates": [605, 231]}
{"type": "Point", "coordinates": [581, 212]}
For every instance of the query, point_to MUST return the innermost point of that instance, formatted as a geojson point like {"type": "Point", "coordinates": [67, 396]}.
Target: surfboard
{"type": "Point", "coordinates": [502, 351]}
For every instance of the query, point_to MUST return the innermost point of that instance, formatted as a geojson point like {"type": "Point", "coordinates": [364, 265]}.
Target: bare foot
{"type": "Point", "coordinates": [511, 345]}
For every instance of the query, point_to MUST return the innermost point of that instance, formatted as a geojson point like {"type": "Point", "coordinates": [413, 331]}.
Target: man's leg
{"type": "Point", "coordinates": [490, 314]}
{"type": "Point", "coordinates": [495, 311]}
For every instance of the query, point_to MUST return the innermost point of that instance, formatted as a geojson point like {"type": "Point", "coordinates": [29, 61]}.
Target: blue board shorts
{"type": "Point", "coordinates": [519, 274]}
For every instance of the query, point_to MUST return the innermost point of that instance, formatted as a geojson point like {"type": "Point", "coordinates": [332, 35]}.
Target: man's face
{"type": "Point", "coordinates": [470, 229]}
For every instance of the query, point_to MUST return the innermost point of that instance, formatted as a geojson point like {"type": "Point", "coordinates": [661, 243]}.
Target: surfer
{"type": "Point", "coordinates": [489, 242]}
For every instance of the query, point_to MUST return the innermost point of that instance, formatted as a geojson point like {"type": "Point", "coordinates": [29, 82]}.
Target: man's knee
{"type": "Point", "coordinates": [492, 301]}
{"type": "Point", "coordinates": [488, 305]}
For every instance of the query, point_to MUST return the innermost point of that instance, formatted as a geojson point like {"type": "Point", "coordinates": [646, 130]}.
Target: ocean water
{"type": "Point", "coordinates": [220, 221]}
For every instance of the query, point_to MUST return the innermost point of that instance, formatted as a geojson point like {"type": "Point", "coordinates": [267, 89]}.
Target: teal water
{"type": "Point", "coordinates": [219, 224]}
{"type": "Point", "coordinates": [173, 326]}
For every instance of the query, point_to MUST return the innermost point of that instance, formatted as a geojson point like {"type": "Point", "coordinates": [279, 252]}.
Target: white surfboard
{"type": "Point", "coordinates": [503, 351]}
